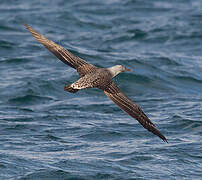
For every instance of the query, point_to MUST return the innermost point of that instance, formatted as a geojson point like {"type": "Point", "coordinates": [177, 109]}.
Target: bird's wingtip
{"type": "Point", "coordinates": [26, 25]}
{"type": "Point", "coordinates": [165, 140]}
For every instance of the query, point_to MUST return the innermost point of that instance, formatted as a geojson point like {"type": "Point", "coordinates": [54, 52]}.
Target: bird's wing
{"type": "Point", "coordinates": [118, 97]}
{"type": "Point", "coordinates": [64, 55]}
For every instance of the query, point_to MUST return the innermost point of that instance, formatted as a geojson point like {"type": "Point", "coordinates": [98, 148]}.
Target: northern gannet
{"type": "Point", "coordinates": [94, 77]}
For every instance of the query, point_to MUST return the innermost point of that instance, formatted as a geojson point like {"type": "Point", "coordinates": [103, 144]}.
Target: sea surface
{"type": "Point", "coordinates": [49, 134]}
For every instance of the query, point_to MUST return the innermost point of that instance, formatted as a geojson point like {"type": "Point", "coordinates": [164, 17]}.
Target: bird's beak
{"type": "Point", "coordinates": [128, 69]}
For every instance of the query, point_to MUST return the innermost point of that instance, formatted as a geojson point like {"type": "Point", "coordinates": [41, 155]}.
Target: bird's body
{"type": "Point", "coordinates": [94, 77]}
{"type": "Point", "coordinates": [100, 78]}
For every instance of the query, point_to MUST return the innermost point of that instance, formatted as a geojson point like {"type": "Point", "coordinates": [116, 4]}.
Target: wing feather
{"type": "Point", "coordinates": [119, 98]}
{"type": "Point", "coordinates": [64, 55]}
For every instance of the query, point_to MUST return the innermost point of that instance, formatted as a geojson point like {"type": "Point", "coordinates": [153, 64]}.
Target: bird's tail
{"type": "Point", "coordinates": [70, 89]}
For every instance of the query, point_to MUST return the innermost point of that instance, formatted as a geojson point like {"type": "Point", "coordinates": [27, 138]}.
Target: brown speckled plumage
{"type": "Point", "coordinates": [64, 55]}
{"type": "Point", "coordinates": [93, 77]}
{"type": "Point", "coordinates": [97, 79]}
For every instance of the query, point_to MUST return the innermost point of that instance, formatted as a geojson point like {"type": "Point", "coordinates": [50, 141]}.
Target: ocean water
{"type": "Point", "coordinates": [47, 133]}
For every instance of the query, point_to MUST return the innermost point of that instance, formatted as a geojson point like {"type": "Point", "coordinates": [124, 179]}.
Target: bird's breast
{"type": "Point", "coordinates": [102, 79]}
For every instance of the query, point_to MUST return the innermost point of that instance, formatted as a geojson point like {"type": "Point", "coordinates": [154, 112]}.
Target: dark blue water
{"type": "Point", "coordinates": [46, 133]}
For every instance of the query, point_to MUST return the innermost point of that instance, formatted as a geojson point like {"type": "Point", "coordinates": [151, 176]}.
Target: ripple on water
{"type": "Point", "coordinates": [29, 99]}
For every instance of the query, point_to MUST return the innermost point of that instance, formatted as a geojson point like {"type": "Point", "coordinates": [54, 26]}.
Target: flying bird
{"type": "Point", "coordinates": [95, 77]}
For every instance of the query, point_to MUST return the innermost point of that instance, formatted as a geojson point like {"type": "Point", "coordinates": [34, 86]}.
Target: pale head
{"type": "Point", "coordinates": [122, 68]}
{"type": "Point", "coordinates": [114, 70]}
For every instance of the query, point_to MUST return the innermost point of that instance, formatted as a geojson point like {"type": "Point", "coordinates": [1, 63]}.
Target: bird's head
{"type": "Point", "coordinates": [123, 68]}
{"type": "Point", "coordinates": [118, 69]}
